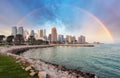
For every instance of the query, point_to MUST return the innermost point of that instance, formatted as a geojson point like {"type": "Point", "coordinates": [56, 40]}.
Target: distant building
{"type": "Point", "coordinates": [14, 31]}
{"type": "Point", "coordinates": [49, 38]}
{"type": "Point", "coordinates": [20, 31]}
{"type": "Point", "coordinates": [44, 34]}
{"type": "Point", "coordinates": [26, 35]}
{"type": "Point", "coordinates": [73, 39]}
{"type": "Point", "coordinates": [32, 33]}
{"type": "Point", "coordinates": [81, 39]}
{"type": "Point", "coordinates": [61, 38]}
{"type": "Point", "coordinates": [53, 35]}
{"type": "Point", "coordinates": [69, 39]}
{"type": "Point", "coordinates": [40, 34]}
{"type": "Point", "coordinates": [36, 36]}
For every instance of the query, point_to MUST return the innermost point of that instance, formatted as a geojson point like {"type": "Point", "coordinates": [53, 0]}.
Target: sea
{"type": "Point", "coordinates": [102, 60]}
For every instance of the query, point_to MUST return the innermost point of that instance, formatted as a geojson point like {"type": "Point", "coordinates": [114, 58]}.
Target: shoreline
{"type": "Point", "coordinates": [53, 70]}
{"type": "Point", "coordinates": [74, 45]}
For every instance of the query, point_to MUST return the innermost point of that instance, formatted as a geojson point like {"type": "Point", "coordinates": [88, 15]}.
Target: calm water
{"type": "Point", "coordinates": [103, 60]}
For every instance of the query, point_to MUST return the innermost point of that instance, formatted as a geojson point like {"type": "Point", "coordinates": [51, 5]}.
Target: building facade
{"type": "Point", "coordinates": [81, 39]}
{"type": "Point", "coordinates": [20, 31]}
{"type": "Point", "coordinates": [32, 33]}
{"type": "Point", "coordinates": [53, 35]}
{"type": "Point", "coordinates": [61, 38]}
{"type": "Point", "coordinates": [40, 34]}
{"type": "Point", "coordinates": [14, 31]}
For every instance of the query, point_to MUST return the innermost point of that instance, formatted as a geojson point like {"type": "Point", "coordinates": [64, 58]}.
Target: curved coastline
{"type": "Point", "coordinates": [52, 70]}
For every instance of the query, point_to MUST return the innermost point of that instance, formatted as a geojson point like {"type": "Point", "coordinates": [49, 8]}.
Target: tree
{"type": "Point", "coordinates": [10, 39]}
{"type": "Point", "coordinates": [19, 40]}
{"type": "Point", "coordinates": [46, 42]}
{"type": "Point", "coordinates": [39, 42]}
{"type": "Point", "coordinates": [31, 40]}
{"type": "Point", "coordinates": [1, 38]}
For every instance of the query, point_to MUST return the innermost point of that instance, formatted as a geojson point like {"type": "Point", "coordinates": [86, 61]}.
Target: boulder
{"type": "Point", "coordinates": [28, 68]}
{"type": "Point", "coordinates": [32, 73]}
{"type": "Point", "coordinates": [42, 74]}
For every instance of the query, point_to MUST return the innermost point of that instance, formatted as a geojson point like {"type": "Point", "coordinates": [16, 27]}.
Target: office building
{"type": "Point", "coordinates": [81, 39]}
{"type": "Point", "coordinates": [20, 31]}
{"type": "Point", "coordinates": [73, 39]}
{"type": "Point", "coordinates": [61, 38]}
{"type": "Point", "coordinates": [26, 35]}
{"type": "Point", "coordinates": [70, 40]}
{"type": "Point", "coordinates": [40, 34]}
{"type": "Point", "coordinates": [53, 35]}
{"type": "Point", "coordinates": [32, 33]}
{"type": "Point", "coordinates": [14, 31]}
{"type": "Point", "coordinates": [49, 38]}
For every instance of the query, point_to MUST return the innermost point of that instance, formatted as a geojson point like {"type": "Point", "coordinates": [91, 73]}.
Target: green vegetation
{"type": "Point", "coordinates": [10, 69]}
{"type": "Point", "coordinates": [20, 40]}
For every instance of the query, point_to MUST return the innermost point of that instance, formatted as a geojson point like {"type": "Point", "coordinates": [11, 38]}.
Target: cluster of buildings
{"type": "Point", "coordinates": [53, 37]}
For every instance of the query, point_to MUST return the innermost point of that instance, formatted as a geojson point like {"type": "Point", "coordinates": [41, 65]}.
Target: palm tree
{"type": "Point", "coordinates": [31, 40]}
{"type": "Point", "coordinates": [1, 38]}
{"type": "Point", "coordinates": [39, 42]}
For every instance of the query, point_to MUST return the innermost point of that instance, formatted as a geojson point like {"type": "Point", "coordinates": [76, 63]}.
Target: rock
{"type": "Point", "coordinates": [18, 61]}
{"type": "Point", "coordinates": [48, 76]}
{"type": "Point", "coordinates": [96, 77]}
{"type": "Point", "coordinates": [17, 58]}
{"type": "Point", "coordinates": [32, 73]}
{"type": "Point", "coordinates": [81, 77]}
{"type": "Point", "coordinates": [28, 68]}
{"type": "Point", "coordinates": [63, 77]}
{"type": "Point", "coordinates": [42, 74]}
{"type": "Point", "coordinates": [31, 70]}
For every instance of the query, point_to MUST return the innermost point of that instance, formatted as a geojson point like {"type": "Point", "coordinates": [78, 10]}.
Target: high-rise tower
{"type": "Point", "coordinates": [20, 31]}
{"type": "Point", "coordinates": [53, 35]}
{"type": "Point", "coordinates": [14, 31]}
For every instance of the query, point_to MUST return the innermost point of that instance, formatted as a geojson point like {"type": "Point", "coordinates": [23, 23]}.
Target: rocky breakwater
{"type": "Point", "coordinates": [46, 70]}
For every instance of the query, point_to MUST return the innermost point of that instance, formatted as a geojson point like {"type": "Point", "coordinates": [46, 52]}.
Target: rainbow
{"type": "Point", "coordinates": [29, 14]}
{"type": "Point", "coordinates": [100, 22]}
{"type": "Point", "coordinates": [86, 12]}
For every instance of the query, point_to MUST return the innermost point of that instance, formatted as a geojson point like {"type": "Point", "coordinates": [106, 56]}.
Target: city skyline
{"type": "Point", "coordinates": [98, 23]}
{"type": "Point", "coordinates": [53, 36]}
{"type": "Point", "coordinates": [41, 34]}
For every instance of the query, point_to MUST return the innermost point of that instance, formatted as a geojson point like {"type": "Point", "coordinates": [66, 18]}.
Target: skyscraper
{"type": "Point", "coordinates": [49, 38]}
{"type": "Point", "coordinates": [74, 39]}
{"type": "Point", "coordinates": [14, 31]}
{"type": "Point", "coordinates": [20, 31]}
{"type": "Point", "coordinates": [32, 33]}
{"type": "Point", "coordinates": [81, 39]}
{"type": "Point", "coordinates": [61, 38]}
{"type": "Point", "coordinates": [53, 35]}
{"type": "Point", "coordinates": [40, 33]}
{"type": "Point", "coordinates": [44, 32]}
{"type": "Point", "coordinates": [36, 36]}
{"type": "Point", "coordinates": [67, 38]}
{"type": "Point", "coordinates": [70, 39]}
{"type": "Point", "coordinates": [26, 35]}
